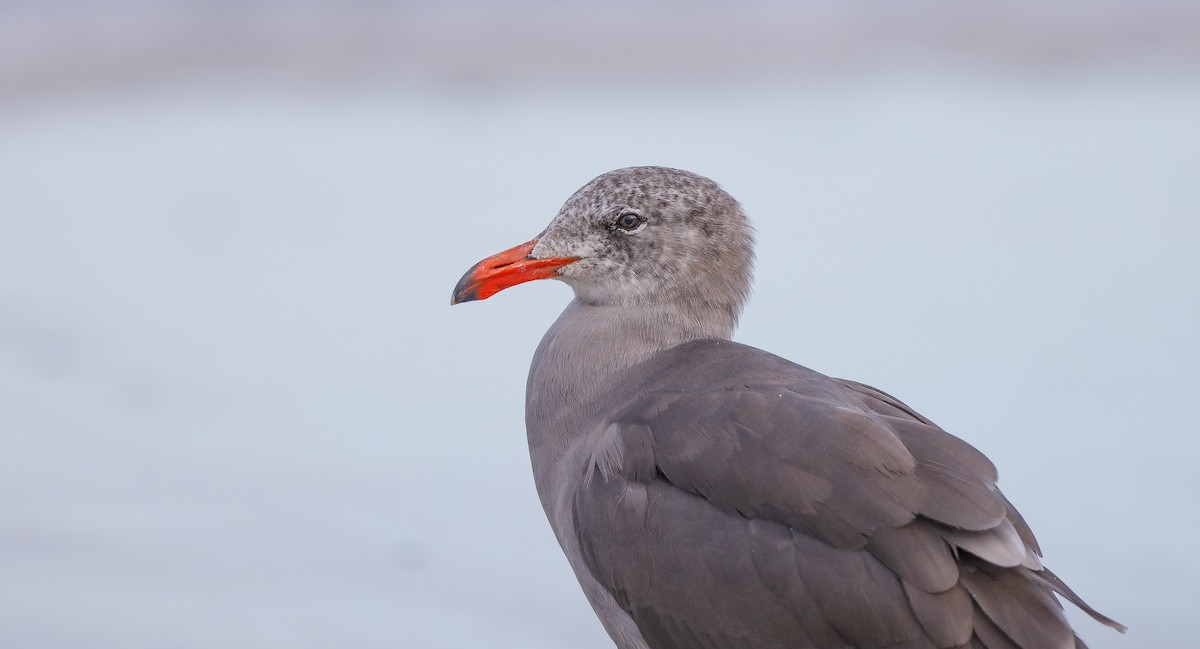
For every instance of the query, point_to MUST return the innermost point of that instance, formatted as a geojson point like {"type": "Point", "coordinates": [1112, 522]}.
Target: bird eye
{"type": "Point", "coordinates": [629, 222]}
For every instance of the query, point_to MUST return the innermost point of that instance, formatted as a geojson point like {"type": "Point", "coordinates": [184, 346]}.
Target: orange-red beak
{"type": "Point", "coordinates": [504, 269]}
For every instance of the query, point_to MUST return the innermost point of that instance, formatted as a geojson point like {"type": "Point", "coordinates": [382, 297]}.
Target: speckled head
{"type": "Point", "coordinates": [653, 235]}
{"type": "Point", "coordinates": [640, 236]}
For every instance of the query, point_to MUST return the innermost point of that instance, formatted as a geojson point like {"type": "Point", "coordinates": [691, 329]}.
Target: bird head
{"type": "Point", "coordinates": [637, 236]}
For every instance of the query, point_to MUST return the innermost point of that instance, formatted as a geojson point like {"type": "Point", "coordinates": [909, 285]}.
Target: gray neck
{"type": "Point", "coordinates": [587, 349]}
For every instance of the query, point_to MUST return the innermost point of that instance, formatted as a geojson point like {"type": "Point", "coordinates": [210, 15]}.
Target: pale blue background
{"type": "Point", "coordinates": [237, 410]}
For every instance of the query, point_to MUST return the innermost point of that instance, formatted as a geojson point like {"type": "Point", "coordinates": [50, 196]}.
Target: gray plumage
{"type": "Point", "coordinates": [711, 495]}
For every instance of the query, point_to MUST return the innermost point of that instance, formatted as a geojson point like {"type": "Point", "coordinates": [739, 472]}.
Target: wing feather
{"type": "Point", "coordinates": [918, 553]}
{"type": "Point", "coordinates": [741, 501]}
{"type": "Point", "coordinates": [946, 616]}
{"type": "Point", "coordinates": [1022, 608]}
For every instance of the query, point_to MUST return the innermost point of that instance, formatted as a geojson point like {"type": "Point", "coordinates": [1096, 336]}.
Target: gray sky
{"type": "Point", "coordinates": [239, 411]}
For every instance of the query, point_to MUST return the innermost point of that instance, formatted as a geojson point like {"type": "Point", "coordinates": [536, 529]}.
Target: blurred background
{"type": "Point", "coordinates": [236, 409]}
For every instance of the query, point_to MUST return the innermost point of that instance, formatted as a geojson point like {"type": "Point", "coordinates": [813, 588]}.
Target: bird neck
{"type": "Point", "coordinates": [583, 359]}
{"type": "Point", "coordinates": [587, 350]}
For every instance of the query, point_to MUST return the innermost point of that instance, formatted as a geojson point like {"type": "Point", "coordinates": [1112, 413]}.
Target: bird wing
{"type": "Point", "coordinates": [740, 500]}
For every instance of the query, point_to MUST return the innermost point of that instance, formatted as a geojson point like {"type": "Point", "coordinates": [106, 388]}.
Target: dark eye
{"type": "Point", "coordinates": [629, 222]}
